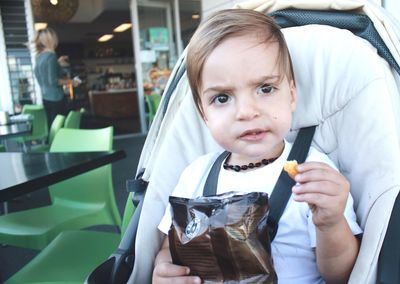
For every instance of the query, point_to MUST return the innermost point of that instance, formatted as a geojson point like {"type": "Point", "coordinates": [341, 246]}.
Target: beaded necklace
{"type": "Point", "coordinates": [238, 168]}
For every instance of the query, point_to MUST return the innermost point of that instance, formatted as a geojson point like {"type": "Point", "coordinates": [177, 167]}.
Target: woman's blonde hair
{"type": "Point", "coordinates": [45, 39]}
{"type": "Point", "coordinates": [226, 24]}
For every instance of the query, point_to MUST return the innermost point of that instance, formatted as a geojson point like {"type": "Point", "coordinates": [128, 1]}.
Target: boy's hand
{"type": "Point", "coordinates": [325, 190]}
{"type": "Point", "coordinates": [170, 273]}
{"type": "Point", "coordinates": [166, 272]}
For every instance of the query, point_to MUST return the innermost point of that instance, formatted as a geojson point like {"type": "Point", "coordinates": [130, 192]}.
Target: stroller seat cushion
{"type": "Point", "coordinates": [325, 61]}
{"type": "Point", "coordinates": [342, 86]}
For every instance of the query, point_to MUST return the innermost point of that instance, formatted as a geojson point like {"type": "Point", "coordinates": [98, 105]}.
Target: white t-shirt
{"type": "Point", "coordinates": [293, 247]}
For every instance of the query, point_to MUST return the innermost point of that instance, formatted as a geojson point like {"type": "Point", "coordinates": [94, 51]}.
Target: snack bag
{"type": "Point", "coordinates": [223, 238]}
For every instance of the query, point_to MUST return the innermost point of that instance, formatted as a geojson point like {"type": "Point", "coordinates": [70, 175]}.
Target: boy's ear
{"type": "Point", "coordinates": [293, 94]}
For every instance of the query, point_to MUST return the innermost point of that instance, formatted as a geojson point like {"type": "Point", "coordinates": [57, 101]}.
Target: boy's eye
{"type": "Point", "coordinates": [220, 99]}
{"type": "Point", "coordinates": [266, 89]}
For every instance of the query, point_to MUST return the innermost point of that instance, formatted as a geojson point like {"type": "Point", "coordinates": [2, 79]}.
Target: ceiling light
{"type": "Point", "coordinates": [40, 26]}
{"type": "Point", "coordinates": [195, 16]}
{"type": "Point", "coordinates": [54, 2]}
{"type": "Point", "coordinates": [122, 27]}
{"type": "Point", "coordinates": [105, 37]}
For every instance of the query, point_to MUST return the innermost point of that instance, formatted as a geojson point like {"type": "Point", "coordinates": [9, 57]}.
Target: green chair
{"type": "Point", "coordinates": [153, 101]}
{"type": "Point", "coordinates": [56, 125]}
{"type": "Point", "coordinates": [73, 119]}
{"type": "Point", "coordinates": [79, 202]}
{"type": "Point", "coordinates": [2, 148]}
{"type": "Point", "coordinates": [40, 129]}
{"type": "Point", "coordinates": [72, 255]}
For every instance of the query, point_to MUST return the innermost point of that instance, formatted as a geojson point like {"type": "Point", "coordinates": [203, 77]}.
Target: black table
{"type": "Point", "coordinates": [18, 126]}
{"type": "Point", "coordinates": [15, 129]}
{"type": "Point", "coordinates": [22, 173]}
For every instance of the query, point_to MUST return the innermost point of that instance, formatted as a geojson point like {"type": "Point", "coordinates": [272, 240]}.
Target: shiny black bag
{"type": "Point", "coordinates": [223, 238]}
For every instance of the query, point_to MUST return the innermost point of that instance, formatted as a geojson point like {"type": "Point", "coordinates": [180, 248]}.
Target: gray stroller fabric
{"type": "Point", "coordinates": [358, 24]}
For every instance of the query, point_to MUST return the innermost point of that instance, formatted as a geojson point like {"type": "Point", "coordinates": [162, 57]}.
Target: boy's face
{"type": "Point", "coordinates": [247, 106]}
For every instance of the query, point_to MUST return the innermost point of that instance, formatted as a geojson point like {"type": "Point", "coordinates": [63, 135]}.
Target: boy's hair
{"type": "Point", "coordinates": [45, 38]}
{"type": "Point", "coordinates": [226, 24]}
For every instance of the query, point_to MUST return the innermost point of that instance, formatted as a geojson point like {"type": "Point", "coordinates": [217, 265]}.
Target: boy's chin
{"type": "Point", "coordinates": [247, 158]}
{"type": "Point", "coordinates": [260, 152]}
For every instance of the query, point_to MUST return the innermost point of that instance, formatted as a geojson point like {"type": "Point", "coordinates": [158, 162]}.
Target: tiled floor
{"type": "Point", "coordinates": [12, 258]}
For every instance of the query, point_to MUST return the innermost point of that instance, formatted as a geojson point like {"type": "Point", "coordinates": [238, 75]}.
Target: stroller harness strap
{"type": "Point", "coordinates": [283, 187]}
{"type": "Point", "coordinates": [389, 258]}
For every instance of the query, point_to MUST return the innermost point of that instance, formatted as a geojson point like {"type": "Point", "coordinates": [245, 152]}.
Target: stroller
{"type": "Point", "coordinates": [348, 86]}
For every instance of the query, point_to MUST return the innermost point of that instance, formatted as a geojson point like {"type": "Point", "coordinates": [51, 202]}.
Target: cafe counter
{"type": "Point", "coordinates": [114, 103]}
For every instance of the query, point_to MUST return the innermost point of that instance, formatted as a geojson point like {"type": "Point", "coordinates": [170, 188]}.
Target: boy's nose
{"type": "Point", "coordinates": [247, 109]}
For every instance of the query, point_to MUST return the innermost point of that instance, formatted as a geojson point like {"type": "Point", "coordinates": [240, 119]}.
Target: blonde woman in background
{"type": "Point", "coordinates": [49, 73]}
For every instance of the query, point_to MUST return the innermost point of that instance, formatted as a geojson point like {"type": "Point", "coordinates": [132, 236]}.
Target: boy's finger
{"type": "Point", "coordinates": [183, 280]}
{"type": "Point", "coordinates": [312, 165]}
{"type": "Point", "coordinates": [318, 174]}
{"type": "Point", "coordinates": [320, 187]}
{"type": "Point", "coordinates": [179, 280]}
{"type": "Point", "coordinates": [316, 199]}
{"type": "Point", "coordinates": [168, 269]}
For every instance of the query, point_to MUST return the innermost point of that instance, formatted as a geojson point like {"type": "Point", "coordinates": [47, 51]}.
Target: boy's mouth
{"type": "Point", "coordinates": [253, 135]}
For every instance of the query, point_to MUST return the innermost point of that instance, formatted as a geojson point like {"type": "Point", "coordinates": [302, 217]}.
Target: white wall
{"type": "Point", "coordinates": [37, 95]}
{"type": "Point", "coordinates": [5, 95]}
